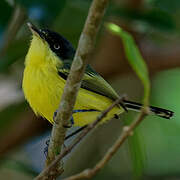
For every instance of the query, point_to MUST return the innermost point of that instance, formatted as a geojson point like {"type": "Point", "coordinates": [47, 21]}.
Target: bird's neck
{"type": "Point", "coordinates": [40, 55]}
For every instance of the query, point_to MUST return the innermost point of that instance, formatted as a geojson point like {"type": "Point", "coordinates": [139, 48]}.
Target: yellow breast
{"type": "Point", "coordinates": [43, 91]}
{"type": "Point", "coordinates": [40, 89]}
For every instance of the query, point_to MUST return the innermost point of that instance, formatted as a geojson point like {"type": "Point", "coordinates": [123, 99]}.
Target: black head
{"type": "Point", "coordinates": [57, 43]}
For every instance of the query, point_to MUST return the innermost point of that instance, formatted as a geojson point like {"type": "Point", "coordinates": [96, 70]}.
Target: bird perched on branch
{"type": "Point", "coordinates": [47, 66]}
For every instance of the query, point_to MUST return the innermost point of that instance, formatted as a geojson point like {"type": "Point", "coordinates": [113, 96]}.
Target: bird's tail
{"type": "Point", "coordinates": [164, 113]}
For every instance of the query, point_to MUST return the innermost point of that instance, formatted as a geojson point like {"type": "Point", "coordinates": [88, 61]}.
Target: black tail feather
{"type": "Point", "coordinates": [129, 105]}
{"type": "Point", "coordinates": [164, 113]}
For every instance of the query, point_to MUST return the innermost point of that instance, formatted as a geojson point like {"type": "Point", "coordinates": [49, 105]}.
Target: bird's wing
{"type": "Point", "coordinates": [92, 81]}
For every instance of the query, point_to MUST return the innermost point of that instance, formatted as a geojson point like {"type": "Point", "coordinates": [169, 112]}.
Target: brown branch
{"type": "Point", "coordinates": [127, 131]}
{"type": "Point", "coordinates": [73, 83]}
{"type": "Point", "coordinates": [77, 140]}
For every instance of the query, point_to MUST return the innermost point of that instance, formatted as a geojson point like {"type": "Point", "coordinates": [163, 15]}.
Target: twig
{"type": "Point", "coordinates": [15, 24]}
{"type": "Point", "coordinates": [73, 83]}
{"type": "Point", "coordinates": [77, 140]}
{"type": "Point", "coordinates": [127, 131]}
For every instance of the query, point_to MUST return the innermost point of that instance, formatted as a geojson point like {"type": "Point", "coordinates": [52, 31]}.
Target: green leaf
{"type": "Point", "coordinates": [137, 154]}
{"type": "Point", "coordinates": [134, 57]}
{"type": "Point", "coordinates": [137, 149]}
{"type": "Point", "coordinates": [139, 66]}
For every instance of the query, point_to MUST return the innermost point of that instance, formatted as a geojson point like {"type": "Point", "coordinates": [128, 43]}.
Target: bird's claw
{"type": "Point", "coordinates": [46, 148]}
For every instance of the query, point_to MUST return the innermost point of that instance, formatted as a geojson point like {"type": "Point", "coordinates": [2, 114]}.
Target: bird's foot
{"type": "Point", "coordinates": [46, 147]}
{"type": "Point", "coordinates": [65, 125]}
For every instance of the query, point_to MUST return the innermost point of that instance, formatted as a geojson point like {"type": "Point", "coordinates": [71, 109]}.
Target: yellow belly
{"type": "Point", "coordinates": [43, 91]}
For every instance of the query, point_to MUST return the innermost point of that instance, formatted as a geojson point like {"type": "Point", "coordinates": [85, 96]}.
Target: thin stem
{"type": "Point", "coordinates": [73, 83]}
{"type": "Point", "coordinates": [17, 20]}
{"type": "Point", "coordinates": [77, 140]}
{"type": "Point", "coordinates": [127, 131]}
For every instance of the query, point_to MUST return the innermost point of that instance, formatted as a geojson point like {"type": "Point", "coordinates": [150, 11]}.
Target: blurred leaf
{"type": "Point", "coordinates": [156, 18]}
{"type": "Point", "coordinates": [137, 148]}
{"type": "Point", "coordinates": [139, 66]}
{"type": "Point", "coordinates": [43, 11]}
{"type": "Point", "coordinates": [137, 154]}
{"type": "Point", "coordinates": [134, 57]}
{"type": "Point", "coordinates": [5, 13]}
{"type": "Point", "coordinates": [16, 50]}
{"type": "Point", "coordinates": [14, 25]}
{"type": "Point", "coordinates": [19, 166]}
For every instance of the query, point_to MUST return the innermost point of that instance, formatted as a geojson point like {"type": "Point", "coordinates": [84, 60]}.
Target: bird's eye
{"type": "Point", "coordinates": [43, 32]}
{"type": "Point", "coordinates": [56, 46]}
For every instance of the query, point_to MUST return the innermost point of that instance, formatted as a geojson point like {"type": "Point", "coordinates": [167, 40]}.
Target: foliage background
{"type": "Point", "coordinates": [154, 152]}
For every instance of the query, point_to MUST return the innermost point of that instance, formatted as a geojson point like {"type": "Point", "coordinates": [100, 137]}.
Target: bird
{"type": "Point", "coordinates": [47, 66]}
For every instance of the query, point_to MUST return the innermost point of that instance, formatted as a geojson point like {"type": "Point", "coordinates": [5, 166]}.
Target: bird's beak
{"type": "Point", "coordinates": [34, 29]}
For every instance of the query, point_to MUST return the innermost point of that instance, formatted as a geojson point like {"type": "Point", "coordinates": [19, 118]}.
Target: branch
{"type": "Point", "coordinates": [15, 24]}
{"type": "Point", "coordinates": [77, 140]}
{"type": "Point", "coordinates": [73, 83]}
{"type": "Point", "coordinates": [127, 131]}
